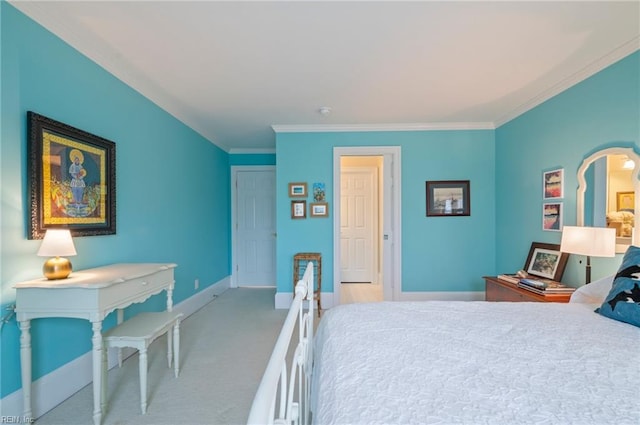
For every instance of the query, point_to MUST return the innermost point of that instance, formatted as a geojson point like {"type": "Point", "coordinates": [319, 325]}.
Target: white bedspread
{"type": "Point", "coordinates": [475, 363]}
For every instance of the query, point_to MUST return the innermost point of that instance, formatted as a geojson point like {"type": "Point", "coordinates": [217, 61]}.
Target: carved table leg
{"type": "Point", "coordinates": [97, 371]}
{"type": "Point", "coordinates": [25, 363]}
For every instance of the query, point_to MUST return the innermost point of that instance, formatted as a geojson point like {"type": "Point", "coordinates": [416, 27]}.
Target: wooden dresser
{"type": "Point", "coordinates": [499, 290]}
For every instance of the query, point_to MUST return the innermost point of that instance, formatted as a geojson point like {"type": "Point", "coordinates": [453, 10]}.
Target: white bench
{"type": "Point", "coordinates": [139, 332]}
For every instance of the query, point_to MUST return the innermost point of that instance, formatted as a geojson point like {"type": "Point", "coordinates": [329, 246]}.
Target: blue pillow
{"type": "Point", "coordinates": [623, 301]}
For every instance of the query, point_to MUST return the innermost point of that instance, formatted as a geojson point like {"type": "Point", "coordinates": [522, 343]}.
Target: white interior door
{"type": "Point", "coordinates": [255, 253]}
{"type": "Point", "coordinates": [357, 223]}
{"type": "Point", "coordinates": [391, 198]}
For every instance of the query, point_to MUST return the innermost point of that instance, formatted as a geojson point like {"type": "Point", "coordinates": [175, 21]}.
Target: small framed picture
{"type": "Point", "coordinates": [298, 209]}
{"type": "Point", "coordinates": [297, 190]}
{"type": "Point", "coordinates": [448, 198]}
{"type": "Point", "coordinates": [319, 209]}
{"type": "Point", "coordinates": [552, 216]}
{"type": "Point", "coordinates": [546, 260]}
{"type": "Point", "coordinates": [319, 192]}
{"type": "Point", "coordinates": [625, 201]}
{"type": "Point", "coordinates": [553, 184]}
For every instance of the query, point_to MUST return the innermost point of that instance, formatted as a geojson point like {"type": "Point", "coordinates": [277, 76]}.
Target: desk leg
{"type": "Point", "coordinates": [170, 298]}
{"type": "Point", "coordinates": [120, 317]}
{"type": "Point", "coordinates": [97, 371]}
{"type": "Point", "coordinates": [25, 365]}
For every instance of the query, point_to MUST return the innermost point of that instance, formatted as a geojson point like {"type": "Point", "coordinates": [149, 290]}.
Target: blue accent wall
{"type": "Point", "coordinates": [438, 253]}
{"type": "Point", "coordinates": [252, 159]}
{"type": "Point", "coordinates": [173, 186]}
{"type": "Point", "coordinates": [599, 112]}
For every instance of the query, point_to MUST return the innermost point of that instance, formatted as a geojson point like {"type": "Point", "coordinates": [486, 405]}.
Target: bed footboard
{"type": "Point", "coordinates": [288, 385]}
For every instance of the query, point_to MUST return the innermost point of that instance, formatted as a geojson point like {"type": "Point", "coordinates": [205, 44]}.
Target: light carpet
{"type": "Point", "coordinates": [224, 348]}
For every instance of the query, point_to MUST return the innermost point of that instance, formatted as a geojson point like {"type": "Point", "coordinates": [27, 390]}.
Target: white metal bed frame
{"type": "Point", "coordinates": [293, 395]}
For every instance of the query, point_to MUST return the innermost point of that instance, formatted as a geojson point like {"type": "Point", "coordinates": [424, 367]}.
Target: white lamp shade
{"type": "Point", "coordinates": [57, 243]}
{"type": "Point", "coordinates": [590, 241]}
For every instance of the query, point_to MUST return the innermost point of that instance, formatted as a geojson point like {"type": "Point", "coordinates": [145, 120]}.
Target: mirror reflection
{"type": "Point", "coordinates": [607, 193]}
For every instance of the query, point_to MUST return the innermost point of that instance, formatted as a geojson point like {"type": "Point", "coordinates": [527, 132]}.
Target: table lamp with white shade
{"type": "Point", "coordinates": [57, 243]}
{"type": "Point", "coordinates": [589, 241]}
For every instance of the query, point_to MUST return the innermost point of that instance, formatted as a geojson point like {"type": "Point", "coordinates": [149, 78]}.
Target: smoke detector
{"type": "Point", "coordinates": [324, 111]}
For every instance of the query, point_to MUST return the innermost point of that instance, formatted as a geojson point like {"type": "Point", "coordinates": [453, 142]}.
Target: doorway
{"type": "Point", "coordinates": [254, 226]}
{"type": "Point", "coordinates": [359, 219]}
{"type": "Point", "coordinates": [366, 224]}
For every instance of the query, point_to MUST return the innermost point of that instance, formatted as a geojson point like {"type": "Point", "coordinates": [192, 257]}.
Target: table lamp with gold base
{"type": "Point", "coordinates": [57, 243]}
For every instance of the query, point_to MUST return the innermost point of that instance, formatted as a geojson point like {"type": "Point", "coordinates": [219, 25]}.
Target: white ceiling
{"type": "Point", "coordinates": [233, 69]}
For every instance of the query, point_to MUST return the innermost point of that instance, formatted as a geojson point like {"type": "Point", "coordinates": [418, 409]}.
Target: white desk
{"type": "Point", "coordinates": [87, 294]}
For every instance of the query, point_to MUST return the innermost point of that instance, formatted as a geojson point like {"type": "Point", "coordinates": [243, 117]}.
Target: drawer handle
{"type": "Point", "coordinates": [144, 283]}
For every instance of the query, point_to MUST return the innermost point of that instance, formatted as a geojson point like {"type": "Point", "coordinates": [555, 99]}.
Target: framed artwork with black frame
{"type": "Point", "coordinates": [72, 179]}
{"type": "Point", "coordinates": [546, 260]}
{"type": "Point", "coordinates": [448, 198]}
{"type": "Point", "coordinates": [298, 209]}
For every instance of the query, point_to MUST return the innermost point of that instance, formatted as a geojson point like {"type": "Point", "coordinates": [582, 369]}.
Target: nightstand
{"type": "Point", "coordinates": [500, 290]}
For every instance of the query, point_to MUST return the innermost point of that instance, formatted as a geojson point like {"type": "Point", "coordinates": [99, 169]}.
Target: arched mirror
{"type": "Point", "coordinates": [607, 187]}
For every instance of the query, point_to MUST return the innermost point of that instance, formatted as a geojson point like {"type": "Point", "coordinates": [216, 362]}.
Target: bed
{"type": "Point", "coordinates": [475, 363]}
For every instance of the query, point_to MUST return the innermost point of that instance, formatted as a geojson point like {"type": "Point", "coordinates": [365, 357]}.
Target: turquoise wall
{"type": "Point", "coordinates": [438, 253]}
{"type": "Point", "coordinates": [602, 111]}
{"type": "Point", "coordinates": [173, 186]}
{"type": "Point", "coordinates": [252, 159]}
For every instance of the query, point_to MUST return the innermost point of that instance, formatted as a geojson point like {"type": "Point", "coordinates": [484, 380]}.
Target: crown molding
{"type": "Point", "coordinates": [594, 67]}
{"type": "Point", "coordinates": [248, 151]}
{"type": "Point", "coordinates": [112, 64]}
{"type": "Point", "coordinates": [344, 128]}
{"type": "Point", "coordinates": [110, 61]}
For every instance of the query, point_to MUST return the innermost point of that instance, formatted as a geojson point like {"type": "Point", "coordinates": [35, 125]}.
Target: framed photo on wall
{"type": "Point", "coordinates": [298, 209]}
{"type": "Point", "coordinates": [552, 216]}
{"type": "Point", "coordinates": [625, 201]}
{"type": "Point", "coordinates": [553, 184]}
{"type": "Point", "coordinates": [72, 179]}
{"type": "Point", "coordinates": [319, 209]}
{"type": "Point", "coordinates": [448, 198]}
{"type": "Point", "coordinates": [546, 260]}
{"type": "Point", "coordinates": [297, 190]}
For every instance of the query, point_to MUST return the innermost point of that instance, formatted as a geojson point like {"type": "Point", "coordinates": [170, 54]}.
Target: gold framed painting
{"type": "Point", "coordinates": [625, 201]}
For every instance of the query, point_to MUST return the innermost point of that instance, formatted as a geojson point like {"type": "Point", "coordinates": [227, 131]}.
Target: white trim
{"type": "Point", "coordinates": [586, 72]}
{"type": "Point", "coordinates": [582, 187]}
{"type": "Point", "coordinates": [58, 385]}
{"type": "Point", "coordinates": [443, 296]}
{"type": "Point", "coordinates": [247, 151]}
{"type": "Point", "coordinates": [109, 59]}
{"type": "Point", "coordinates": [395, 256]}
{"type": "Point", "coordinates": [332, 128]}
{"type": "Point", "coordinates": [235, 169]}
{"type": "Point", "coordinates": [283, 300]}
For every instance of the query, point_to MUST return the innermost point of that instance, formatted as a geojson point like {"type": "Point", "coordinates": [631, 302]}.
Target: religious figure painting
{"type": "Point", "coordinates": [72, 179]}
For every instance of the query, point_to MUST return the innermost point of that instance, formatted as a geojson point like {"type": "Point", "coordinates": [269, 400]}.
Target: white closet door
{"type": "Point", "coordinates": [256, 228]}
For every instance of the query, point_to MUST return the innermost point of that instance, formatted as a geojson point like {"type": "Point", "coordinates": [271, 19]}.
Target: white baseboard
{"type": "Point", "coordinates": [442, 296]}
{"type": "Point", "coordinates": [57, 386]}
{"type": "Point", "coordinates": [283, 299]}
